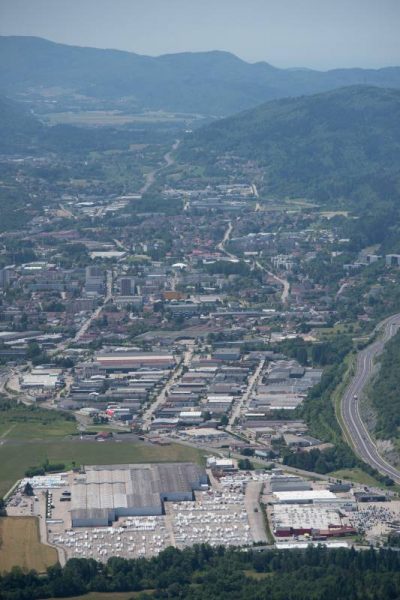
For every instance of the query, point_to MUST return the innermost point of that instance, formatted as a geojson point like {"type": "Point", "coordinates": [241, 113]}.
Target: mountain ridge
{"type": "Point", "coordinates": [211, 83]}
{"type": "Point", "coordinates": [330, 145]}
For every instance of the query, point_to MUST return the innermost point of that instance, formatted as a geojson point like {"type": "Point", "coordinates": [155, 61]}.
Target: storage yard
{"type": "Point", "coordinates": [214, 518]}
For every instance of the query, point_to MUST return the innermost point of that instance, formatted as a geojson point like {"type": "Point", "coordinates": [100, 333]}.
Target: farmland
{"type": "Point", "coordinates": [20, 545]}
{"type": "Point", "coordinates": [18, 455]}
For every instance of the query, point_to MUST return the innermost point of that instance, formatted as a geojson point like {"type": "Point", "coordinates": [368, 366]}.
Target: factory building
{"type": "Point", "coordinates": [129, 361]}
{"type": "Point", "coordinates": [105, 493]}
{"type": "Point", "coordinates": [94, 281]}
{"type": "Point", "coordinates": [306, 497]}
{"type": "Point", "coordinates": [288, 483]}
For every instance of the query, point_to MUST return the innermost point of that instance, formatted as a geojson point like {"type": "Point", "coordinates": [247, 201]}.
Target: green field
{"type": "Point", "coordinates": [36, 430]}
{"type": "Point", "coordinates": [23, 423]}
{"type": "Point", "coordinates": [110, 117]}
{"type": "Point", "coordinates": [356, 475]}
{"type": "Point", "coordinates": [107, 596]}
{"type": "Point", "coordinates": [16, 456]}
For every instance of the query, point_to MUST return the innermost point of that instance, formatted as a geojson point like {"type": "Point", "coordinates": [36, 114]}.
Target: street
{"type": "Point", "coordinates": [350, 405]}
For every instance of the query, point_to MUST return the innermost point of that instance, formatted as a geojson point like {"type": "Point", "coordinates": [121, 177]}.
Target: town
{"type": "Point", "coordinates": [206, 324]}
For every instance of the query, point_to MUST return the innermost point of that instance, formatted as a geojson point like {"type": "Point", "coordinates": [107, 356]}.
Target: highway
{"type": "Point", "coordinates": [151, 176]}
{"type": "Point", "coordinates": [356, 431]}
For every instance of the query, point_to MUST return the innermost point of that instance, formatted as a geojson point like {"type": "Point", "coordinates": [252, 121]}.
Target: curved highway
{"type": "Point", "coordinates": [350, 405]}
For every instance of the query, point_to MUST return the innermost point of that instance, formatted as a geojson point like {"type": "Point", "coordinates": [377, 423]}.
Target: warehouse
{"type": "Point", "coordinates": [128, 361]}
{"type": "Point", "coordinates": [288, 483]}
{"type": "Point", "coordinates": [289, 520]}
{"type": "Point", "coordinates": [104, 493]}
{"type": "Point", "coordinates": [305, 497]}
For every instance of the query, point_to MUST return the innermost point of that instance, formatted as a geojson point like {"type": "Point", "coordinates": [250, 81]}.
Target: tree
{"type": "Point", "coordinates": [28, 489]}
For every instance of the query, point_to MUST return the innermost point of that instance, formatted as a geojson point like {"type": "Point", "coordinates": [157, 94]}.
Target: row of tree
{"type": "Point", "coordinates": [205, 573]}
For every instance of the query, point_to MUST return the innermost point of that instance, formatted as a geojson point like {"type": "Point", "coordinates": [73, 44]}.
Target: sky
{"type": "Point", "coordinates": [319, 34]}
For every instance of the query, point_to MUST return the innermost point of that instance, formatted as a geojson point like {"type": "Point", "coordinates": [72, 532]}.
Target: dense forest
{"type": "Point", "coordinates": [205, 573]}
{"type": "Point", "coordinates": [384, 392]}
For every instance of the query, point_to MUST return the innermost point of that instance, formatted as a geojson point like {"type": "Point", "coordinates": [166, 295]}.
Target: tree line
{"type": "Point", "coordinates": [204, 573]}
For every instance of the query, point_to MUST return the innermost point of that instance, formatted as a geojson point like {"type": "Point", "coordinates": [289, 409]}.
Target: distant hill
{"type": "Point", "coordinates": [343, 143]}
{"type": "Point", "coordinates": [17, 126]}
{"type": "Point", "coordinates": [210, 83]}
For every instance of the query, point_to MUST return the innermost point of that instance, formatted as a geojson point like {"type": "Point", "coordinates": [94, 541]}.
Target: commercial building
{"type": "Point", "coordinates": [4, 277]}
{"type": "Point", "coordinates": [105, 493]}
{"type": "Point", "coordinates": [127, 286]}
{"type": "Point", "coordinates": [305, 497]}
{"type": "Point", "coordinates": [288, 483]}
{"type": "Point", "coordinates": [317, 520]}
{"type": "Point", "coordinates": [40, 378]}
{"type": "Point", "coordinates": [94, 281]}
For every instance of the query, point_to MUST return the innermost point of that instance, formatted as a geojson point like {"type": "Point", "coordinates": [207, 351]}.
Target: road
{"type": "Point", "coordinates": [162, 396]}
{"type": "Point", "coordinates": [254, 512]}
{"type": "Point", "coordinates": [225, 239]}
{"type": "Point", "coordinates": [151, 175]}
{"type": "Point", "coordinates": [83, 329]}
{"type": "Point", "coordinates": [284, 282]}
{"type": "Point", "coordinates": [242, 403]}
{"type": "Point", "coordinates": [350, 405]}
{"type": "Point", "coordinates": [286, 286]}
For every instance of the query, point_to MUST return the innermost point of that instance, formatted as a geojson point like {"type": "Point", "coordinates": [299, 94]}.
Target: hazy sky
{"type": "Point", "coordinates": [322, 34]}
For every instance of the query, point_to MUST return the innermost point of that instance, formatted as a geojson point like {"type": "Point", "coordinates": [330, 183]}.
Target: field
{"type": "Point", "coordinates": [20, 545]}
{"type": "Point", "coordinates": [16, 456]}
{"type": "Point", "coordinates": [110, 118]}
{"type": "Point", "coordinates": [357, 476]}
{"type": "Point", "coordinates": [107, 596]}
{"type": "Point", "coordinates": [28, 430]}
{"type": "Point", "coordinates": [22, 422]}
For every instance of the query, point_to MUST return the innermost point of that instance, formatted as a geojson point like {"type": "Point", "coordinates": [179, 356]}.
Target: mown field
{"type": "Point", "coordinates": [20, 545]}
{"type": "Point", "coordinates": [16, 456]}
{"type": "Point", "coordinates": [358, 476]}
{"type": "Point", "coordinates": [30, 435]}
{"type": "Point", "coordinates": [107, 596]}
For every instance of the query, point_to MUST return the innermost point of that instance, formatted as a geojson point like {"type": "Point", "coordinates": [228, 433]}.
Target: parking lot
{"type": "Point", "coordinates": [214, 518]}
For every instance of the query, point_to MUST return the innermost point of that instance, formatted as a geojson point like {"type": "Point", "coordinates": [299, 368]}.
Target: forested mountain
{"type": "Point", "coordinates": [339, 144]}
{"type": "Point", "coordinates": [210, 83]}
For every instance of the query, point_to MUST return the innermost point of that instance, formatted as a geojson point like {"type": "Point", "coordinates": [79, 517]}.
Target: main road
{"type": "Point", "coordinates": [355, 428]}
{"type": "Point", "coordinates": [151, 176]}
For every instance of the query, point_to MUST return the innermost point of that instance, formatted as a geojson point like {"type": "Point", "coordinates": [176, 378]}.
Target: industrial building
{"type": "Point", "coordinates": [129, 361]}
{"type": "Point", "coordinates": [306, 497]}
{"type": "Point", "coordinates": [104, 493]}
{"type": "Point", "coordinates": [288, 483]}
{"type": "Point", "coordinates": [326, 521]}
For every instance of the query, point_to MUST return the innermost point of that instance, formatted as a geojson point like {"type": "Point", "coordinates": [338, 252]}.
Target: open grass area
{"type": "Point", "coordinates": [31, 422]}
{"type": "Point", "coordinates": [256, 575]}
{"type": "Point", "coordinates": [29, 430]}
{"type": "Point", "coordinates": [16, 457]}
{"type": "Point", "coordinates": [358, 476]}
{"type": "Point", "coordinates": [108, 596]}
{"type": "Point", "coordinates": [20, 545]}
{"type": "Point", "coordinates": [110, 117]}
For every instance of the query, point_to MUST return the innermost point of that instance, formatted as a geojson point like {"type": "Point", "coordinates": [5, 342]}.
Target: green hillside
{"type": "Point", "coordinates": [341, 145]}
